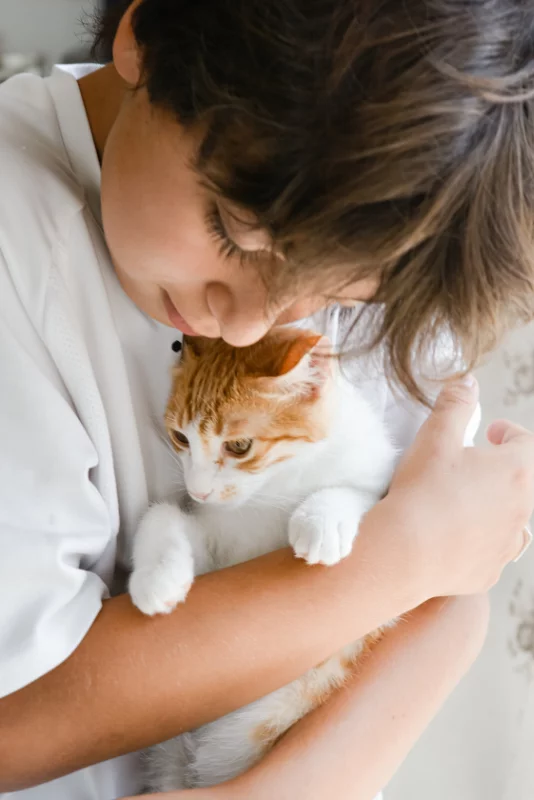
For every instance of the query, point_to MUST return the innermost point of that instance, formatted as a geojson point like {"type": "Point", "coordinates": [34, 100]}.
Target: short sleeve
{"type": "Point", "coordinates": [54, 524]}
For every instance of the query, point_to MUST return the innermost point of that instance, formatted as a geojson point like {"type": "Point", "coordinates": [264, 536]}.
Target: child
{"type": "Point", "coordinates": [241, 164]}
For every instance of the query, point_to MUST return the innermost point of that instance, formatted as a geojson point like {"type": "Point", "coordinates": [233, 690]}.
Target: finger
{"type": "Point", "coordinates": [502, 431]}
{"type": "Point", "coordinates": [453, 411]}
{"type": "Point", "coordinates": [526, 541]}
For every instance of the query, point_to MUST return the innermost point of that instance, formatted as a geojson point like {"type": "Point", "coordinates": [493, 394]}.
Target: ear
{"type": "Point", "coordinates": [303, 369]}
{"type": "Point", "coordinates": [126, 54]}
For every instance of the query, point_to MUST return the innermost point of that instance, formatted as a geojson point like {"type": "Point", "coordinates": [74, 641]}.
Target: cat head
{"type": "Point", "coordinates": [236, 416]}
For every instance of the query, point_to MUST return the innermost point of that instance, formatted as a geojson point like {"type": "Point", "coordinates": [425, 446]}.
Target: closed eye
{"type": "Point", "coordinates": [228, 248]}
{"type": "Point", "coordinates": [346, 302]}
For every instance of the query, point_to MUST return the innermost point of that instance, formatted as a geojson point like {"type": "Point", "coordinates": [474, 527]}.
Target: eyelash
{"type": "Point", "coordinates": [227, 247]}
{"type": "Point", "coordinates": [346, 302]}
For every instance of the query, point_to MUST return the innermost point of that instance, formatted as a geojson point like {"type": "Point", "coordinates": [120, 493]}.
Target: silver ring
{"type": "Point", "coordinates": [527, 541]}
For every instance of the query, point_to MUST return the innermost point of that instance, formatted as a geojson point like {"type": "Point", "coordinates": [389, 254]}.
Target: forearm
{"type": "Point", "coordinates": [134, 681]}
{"type": "Point", "coordinates": [351, 747]}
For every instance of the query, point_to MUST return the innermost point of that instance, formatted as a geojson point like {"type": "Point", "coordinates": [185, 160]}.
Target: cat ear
{"type": "Point", "coordinates": [298, 352]}
{"type": "Point", "coordinates": [303, 368]}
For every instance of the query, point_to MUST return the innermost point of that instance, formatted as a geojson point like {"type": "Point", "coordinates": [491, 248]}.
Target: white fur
{"type": "Point", "coordinates": [314, 501]}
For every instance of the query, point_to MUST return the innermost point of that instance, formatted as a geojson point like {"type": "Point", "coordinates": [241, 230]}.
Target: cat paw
{"type": "Point", "coordinates": [158, 590]}
{"type": "Point", "coordinates": [164, 567]}
{"type": "Point", "coordinates": [321, 532]}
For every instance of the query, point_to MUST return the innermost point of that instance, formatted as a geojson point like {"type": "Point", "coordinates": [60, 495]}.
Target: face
{"type": "Point", "coordinates": [227, 467]}
{"type": "Point", "coordinates": [185, 257]}
{"type": "Point", "coordinates": [233, 435]}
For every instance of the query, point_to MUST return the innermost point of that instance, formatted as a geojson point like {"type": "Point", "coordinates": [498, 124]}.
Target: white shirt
{"type": "Point", "coordinates": [84, 381]}
{"type": "Point", "coordinates": [85, 376]}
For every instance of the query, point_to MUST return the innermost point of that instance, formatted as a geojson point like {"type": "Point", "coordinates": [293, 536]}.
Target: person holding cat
{"type": "Point", "coordinates": [240, 165]}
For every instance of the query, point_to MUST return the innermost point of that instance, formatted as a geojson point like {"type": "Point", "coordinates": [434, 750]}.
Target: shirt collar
{"type": "Point", "coordinates": [75, 130]}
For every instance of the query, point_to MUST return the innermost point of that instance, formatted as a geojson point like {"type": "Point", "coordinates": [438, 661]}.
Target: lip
{"type": "Point", "coordinates": [175, 318]}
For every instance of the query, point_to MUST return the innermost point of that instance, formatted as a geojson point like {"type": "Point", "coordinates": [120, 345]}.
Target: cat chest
{"type": "Point", "coordinates": [234, 537]}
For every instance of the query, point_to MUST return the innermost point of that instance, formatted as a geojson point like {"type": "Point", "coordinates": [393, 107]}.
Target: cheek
{"type": "Point", "coordinates": [152, 206]}
{"type": "Point", "coordinates": [185, 461]}
{"type": "Point", "coordinates": [300, 310]}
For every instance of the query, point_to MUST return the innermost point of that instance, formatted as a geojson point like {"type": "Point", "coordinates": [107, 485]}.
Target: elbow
{"type": "Point", "coordinates": [12, 780]}
{"type": "Point", "coordinates": [17, 772]}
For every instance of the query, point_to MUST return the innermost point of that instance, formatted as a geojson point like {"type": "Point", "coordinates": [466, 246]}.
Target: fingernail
{"type": "Point", "coordinates": [468, 380]}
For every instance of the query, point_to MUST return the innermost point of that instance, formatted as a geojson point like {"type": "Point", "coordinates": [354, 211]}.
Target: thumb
{"type": "Point", "coordinates": [454, 410]}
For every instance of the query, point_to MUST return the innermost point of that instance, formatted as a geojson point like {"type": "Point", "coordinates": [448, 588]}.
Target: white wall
{"type": "Point", "coordinates": [47, 27]}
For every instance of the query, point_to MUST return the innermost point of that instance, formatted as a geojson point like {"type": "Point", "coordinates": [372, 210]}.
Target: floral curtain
{"type": "Point", "coordinates": [481, 746]}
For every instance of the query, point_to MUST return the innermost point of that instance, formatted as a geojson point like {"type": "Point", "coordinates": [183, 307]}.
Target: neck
{"type": "Point", "coordinates": [103, 93]}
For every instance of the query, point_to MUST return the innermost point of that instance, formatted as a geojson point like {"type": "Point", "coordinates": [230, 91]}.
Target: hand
{"type": "Point", "coordinates": [467, 507]}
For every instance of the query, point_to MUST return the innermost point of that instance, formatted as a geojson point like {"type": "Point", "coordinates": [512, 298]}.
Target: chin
{"type": "Point", "coordinates": [233, 502]}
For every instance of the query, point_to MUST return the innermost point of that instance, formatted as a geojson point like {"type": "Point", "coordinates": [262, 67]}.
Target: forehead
{"type": "Point", "coordinates": [239, 422]}
{"type": "Point", "coordinates": [230, 422]}
{"type": "Point", "coordinates": [216, 406]}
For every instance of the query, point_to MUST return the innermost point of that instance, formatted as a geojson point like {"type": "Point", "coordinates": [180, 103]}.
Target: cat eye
{"type": "Point", "coordinates": [179, 438]}
{"type": "Point", "coordinates": [238, 448]}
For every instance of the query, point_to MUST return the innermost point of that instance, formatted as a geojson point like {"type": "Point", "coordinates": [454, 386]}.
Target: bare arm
{"type": "Point", "coordinates": [351, 747]}
{"type": "Point", "coordinates": [134, 681]}
{"type": "Point", "coordinates": [450, 523]}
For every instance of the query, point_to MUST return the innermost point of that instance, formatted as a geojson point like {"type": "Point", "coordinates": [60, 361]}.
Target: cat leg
{"type": "Point", "coordinates": [165, 765]}
{"type": "Point", "coordinates": [323, 527]}
{"type": "Point", "coordinates": [169, 550]}
{"type": "Point", "coordinates": [231, 745]}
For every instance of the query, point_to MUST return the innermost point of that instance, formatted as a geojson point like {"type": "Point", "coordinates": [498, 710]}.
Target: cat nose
{"type": "Point", "coordinates": [200, 497]}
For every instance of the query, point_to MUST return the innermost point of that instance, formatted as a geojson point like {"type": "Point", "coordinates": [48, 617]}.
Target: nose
{"type": "Point", "coordinates": [242, 315]}
{"type": "Point", "coordinates": [200, 497]}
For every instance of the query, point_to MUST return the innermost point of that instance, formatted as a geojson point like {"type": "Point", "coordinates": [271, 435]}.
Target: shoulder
{"type": "Point", "coordinates": [40, 194]}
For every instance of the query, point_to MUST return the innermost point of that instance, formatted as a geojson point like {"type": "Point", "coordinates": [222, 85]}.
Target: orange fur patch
{"type": "Point", "coordinates": [317, 686]}
{"type": "Point", "coordinates": [228, 492]}
{"type": "Point", "coordinates": [368, 643]}
{"type": "Point", "coordinates": [267, 736]}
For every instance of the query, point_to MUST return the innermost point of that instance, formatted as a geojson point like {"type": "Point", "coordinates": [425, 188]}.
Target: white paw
{"type": "Point", "coordinates": [322, 532]}
{"type": "Point", "coordinates": [164, 567]}
{"type": "Point", "coordinates": [158, 589]}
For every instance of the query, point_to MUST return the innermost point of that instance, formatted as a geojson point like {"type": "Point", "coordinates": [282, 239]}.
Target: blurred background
{"type": "Point", "coordinates": [34, 34]}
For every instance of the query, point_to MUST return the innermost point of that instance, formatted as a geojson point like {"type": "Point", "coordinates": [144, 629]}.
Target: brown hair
{"type": "Point", "coordinates": [370, 137]}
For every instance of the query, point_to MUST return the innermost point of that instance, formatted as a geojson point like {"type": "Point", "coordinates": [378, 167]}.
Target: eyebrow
{"type": "Point", "coordinates": [200, 164]}
{"type": "Point", "coordinates": [206, 149]}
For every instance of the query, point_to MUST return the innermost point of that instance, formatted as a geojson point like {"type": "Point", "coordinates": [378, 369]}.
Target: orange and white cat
{"type": "Point", "coordinates": [278, 449]}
